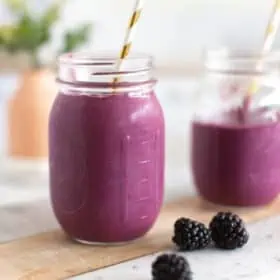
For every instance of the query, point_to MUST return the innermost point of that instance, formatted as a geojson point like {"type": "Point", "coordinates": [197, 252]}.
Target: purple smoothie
{"type": "Point", "coordinates": [236, 164]}
{"type": "Point", "coordinates": [106, 165]}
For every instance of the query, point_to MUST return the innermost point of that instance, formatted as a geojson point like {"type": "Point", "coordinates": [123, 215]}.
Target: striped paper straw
{"type": "Point", "coordinates": [130, 33]}
{"type": "Point", "coordinates": [269, 39]}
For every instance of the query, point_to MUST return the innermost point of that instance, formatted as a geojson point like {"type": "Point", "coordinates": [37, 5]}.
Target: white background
{"type": "Point", "coordinates": [174, 31]}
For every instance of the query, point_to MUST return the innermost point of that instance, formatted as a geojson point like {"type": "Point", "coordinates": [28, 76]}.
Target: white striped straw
{"type": "Point", "coordinates": [130, 33]}
{"type": "Point", "coordinates": [269, 39]}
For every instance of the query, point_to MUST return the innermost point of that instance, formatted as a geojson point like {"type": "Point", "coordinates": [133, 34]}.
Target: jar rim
{"type": "Point", "coordinates": [241, 54]}
{"type": "Point", "coordinates": [101, 70]}
{"type": "Point", "coordinates": [241, 61]}
{"type": "Point", "coordinates": [109, 58]}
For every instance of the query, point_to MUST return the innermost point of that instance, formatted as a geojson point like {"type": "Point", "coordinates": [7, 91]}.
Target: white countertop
{"type": "Point", "coordinates": [259, 260]}
{"type": "Point", "coordinates": [24, 205]}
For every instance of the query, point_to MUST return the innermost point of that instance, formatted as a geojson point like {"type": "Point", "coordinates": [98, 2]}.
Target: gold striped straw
{"type": "Point", "coordinates": [269, 39]}
{"type": "Point", "coordinates": [130, 33]}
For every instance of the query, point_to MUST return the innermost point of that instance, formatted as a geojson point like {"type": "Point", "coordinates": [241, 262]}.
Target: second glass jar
{"type": "Point", "coordinates": [235, 134]}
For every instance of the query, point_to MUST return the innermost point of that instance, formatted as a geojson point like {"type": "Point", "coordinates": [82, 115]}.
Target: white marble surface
{"type": "Point", "coordinates": [259, 260]}
{"type": "Point", "coordinates": [25, 210]}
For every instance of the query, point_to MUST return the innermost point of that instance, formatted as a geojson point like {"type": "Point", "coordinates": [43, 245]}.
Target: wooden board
{"type": "Point", "coordinates": [52, 256]}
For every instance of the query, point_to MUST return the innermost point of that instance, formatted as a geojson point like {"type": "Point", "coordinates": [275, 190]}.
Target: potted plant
{"type": "Point", "coordinates": [29, 107]}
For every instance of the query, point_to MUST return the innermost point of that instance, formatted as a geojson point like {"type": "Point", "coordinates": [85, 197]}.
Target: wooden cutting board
{"type": "Point", "coordinates": [52, 256]}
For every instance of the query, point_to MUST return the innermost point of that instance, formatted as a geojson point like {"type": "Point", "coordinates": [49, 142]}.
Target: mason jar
{"type": "Point", "coordinates": [106, 145]}
{"type": "Point", "coordinates": [235, 134]}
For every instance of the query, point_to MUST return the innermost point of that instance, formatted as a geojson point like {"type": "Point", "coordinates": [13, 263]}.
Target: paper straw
{"type": "Point", "coordinates": [269, 39]}
{"type": "Point", "coordinates": [130, 33]}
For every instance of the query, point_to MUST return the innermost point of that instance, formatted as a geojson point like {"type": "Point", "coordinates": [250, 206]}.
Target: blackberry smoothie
{"type": "Point", "coordinates": [106, 162]}
{"type": "Point", "coordinates": [236, 164]}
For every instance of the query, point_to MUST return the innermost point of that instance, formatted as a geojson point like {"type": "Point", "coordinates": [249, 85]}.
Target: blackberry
{"type": "Point", "coordinates": [171, 267]}
{"type": "Point", "coordinates": [190, 235]}
{"type": "Point", "coordinates": [228, 231]}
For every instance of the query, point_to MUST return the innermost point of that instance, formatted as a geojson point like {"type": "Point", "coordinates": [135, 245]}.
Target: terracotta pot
{"type": "Point", "coordinates": [28, 112]}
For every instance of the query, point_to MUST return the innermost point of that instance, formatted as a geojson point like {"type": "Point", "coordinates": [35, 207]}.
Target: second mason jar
{"type": "Point", "coordinates": [235, 132]}
{"type": "Point", "coordinates": [106, 141]}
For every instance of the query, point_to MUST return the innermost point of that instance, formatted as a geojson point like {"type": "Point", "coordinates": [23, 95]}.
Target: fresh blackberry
{"type": "Point", "coordinates": [190, 235]}
{"type": "Point", "coordinates": [228, 231]}
{"type": "Point", "coordinates": [171, 267]}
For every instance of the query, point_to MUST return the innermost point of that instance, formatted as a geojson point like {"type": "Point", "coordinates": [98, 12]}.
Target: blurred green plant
{"type": "Point", "coordinates": [30, 33]}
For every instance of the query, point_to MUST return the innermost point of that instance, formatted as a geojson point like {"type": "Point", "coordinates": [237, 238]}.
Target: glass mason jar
{"type": "Point", "coordinates": [235, 134]}
{"type": "Point", "coordinates": [106, 143]}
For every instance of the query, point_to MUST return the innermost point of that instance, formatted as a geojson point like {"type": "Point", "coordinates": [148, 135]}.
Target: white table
{"type": "Point", "coordinates": [25, 210]}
